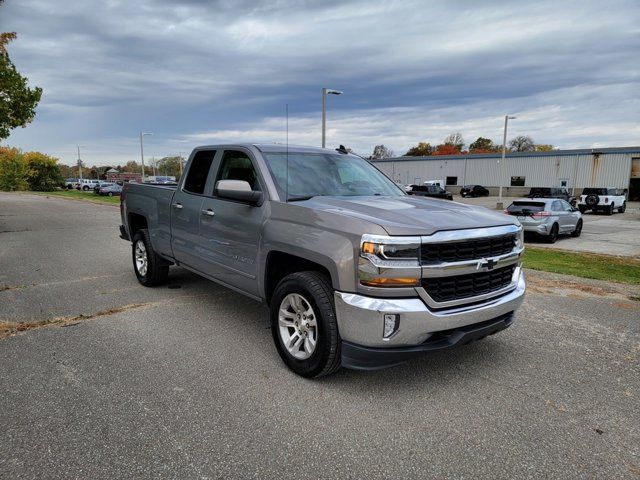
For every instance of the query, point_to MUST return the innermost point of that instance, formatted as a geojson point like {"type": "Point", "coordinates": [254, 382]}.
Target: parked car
{"type": "Point", "coordinates": [100, 185]}
{"type": "Point", "coordinates": [474, 191]}
{"type": "Point", "coordinates": [86, 184]}
{"type": "Point", "coordinates": [111, 190]}
{"type": "Point", "coordinates": [70, 183]}
{"type": "Point", "coordinates": [548, 218]}
{"type": "Point", "coordinates": [356, 272]}
{"type": "Point", "coordinates": [435, 191]}
{"type": "Point", "coordinates": [605, 200]}
{"type": "Point", "coordinates": [550, 192]}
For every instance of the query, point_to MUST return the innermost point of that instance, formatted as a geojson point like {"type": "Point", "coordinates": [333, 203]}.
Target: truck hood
{"type": "Point", "coordinates": [408, 215]}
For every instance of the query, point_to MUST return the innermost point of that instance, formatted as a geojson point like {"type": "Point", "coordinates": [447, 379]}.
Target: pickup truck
{"type": "Point", "coordinates": [356, 273]}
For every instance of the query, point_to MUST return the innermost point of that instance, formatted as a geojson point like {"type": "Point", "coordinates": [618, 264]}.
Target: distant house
{"type": "Point", "coordinates": [114, 175]}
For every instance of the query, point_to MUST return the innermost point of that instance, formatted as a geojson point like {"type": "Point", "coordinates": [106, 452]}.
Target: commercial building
{"type": "Point", "coordinates": [114, 175]}
{"type": "Point", "coordinates": [575, 169]}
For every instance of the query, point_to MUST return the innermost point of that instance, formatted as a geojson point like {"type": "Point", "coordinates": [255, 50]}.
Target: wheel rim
{"type": "Point", "coordinates": [141, 258]}
{"type": "Point", "coordinates": [298, 327]}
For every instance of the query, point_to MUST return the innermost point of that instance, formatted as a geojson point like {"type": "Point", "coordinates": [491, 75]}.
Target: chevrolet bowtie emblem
{"type": "Point", "coordinates": [488, 264]}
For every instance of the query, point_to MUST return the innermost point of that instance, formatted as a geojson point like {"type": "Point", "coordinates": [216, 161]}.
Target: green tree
{"type": "Point", "coordinates": [169, 166]}
{"type": "Point", "coordinates": [43, 173]}
{"type": "Point", "coordinates": [423, 149]}
{"type": "Point", "coordinates": [482, 145]}
{"type": "Point", "coordinates": [17, 101]}
{"type": "Point", "coordinates": [545, 147]}
{"type": "Point", "coordinates": [13, 170]}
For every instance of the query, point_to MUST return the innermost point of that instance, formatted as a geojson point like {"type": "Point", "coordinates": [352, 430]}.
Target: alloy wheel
{"type": "Point", "coordinates": [298, 327]}
{"type": "Point", "coordinates": [141, 258]}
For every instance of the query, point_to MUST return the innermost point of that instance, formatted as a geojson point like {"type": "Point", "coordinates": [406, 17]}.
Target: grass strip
{"type": "Point", "coordinates": [586, 265]}
{"type": "Point", "coordinates": [85, 196]}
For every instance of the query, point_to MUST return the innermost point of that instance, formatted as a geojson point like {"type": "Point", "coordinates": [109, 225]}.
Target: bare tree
{"type": "Point", "coordinates": [522, 143]}
{"type": "Point", "coordinates": [380, 151]}
{"type": "Point", "coordinates": [455, 140]}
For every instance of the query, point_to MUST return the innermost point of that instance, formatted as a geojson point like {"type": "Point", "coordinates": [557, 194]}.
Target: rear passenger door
{"type": "Point", "coordinates": [564, 221]}
{"type": "Point", "coordinates": [231, 229]}
{"type": "Point", "coordinates": [186, 209]}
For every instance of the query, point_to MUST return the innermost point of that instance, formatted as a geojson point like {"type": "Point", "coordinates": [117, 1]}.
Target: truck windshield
{"type": "Point", "coordinates": [322, 174]}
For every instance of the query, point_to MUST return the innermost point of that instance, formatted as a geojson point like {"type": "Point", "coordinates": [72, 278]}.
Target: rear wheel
{"type": "Point", "coordinates": [578, 230]}
{"type": "Point", "coordinates": [110, 194]}
{"type": "Point", "coordinates": [304, 326]}
{"type": "Point", "coordinates": [622, 208]}
{"type": "Point", "coordinates": [609, 211]}
{"type": "Point", "coordinates": [553, 234]}
{"type": "Point", "coordinates": [582, 209]}
{"type": "Point", "coordinates": [150, 269]}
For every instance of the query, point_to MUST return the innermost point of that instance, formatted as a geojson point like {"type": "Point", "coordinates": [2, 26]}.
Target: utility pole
{"type": "Point", "coordinates": [142, 134]}
{"type": "Point", "coordinates": [79, 165]}
{"type": "Point", "coordinates": [500, 204]}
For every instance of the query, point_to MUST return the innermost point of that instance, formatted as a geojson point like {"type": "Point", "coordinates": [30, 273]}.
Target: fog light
{"type": "Point", "coordinates": [391, 324]}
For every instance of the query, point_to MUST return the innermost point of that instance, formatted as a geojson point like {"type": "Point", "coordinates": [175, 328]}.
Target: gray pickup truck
{"type": "Point", "coordinates": [356, 272]}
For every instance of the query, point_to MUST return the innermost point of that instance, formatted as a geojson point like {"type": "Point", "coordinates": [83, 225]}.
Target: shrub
{"type": "Point", "coordinates": [43, 172]}
{"type": "Point", "coordinates": [13, 170]}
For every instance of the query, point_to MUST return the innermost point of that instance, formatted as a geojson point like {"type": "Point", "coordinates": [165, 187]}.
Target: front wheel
{"type": "Point", "coordinates": [304, 326]}
{"type": "Point", "coordinates": [622, 208]}
{"type": "Point", "coordinates": [609, 210]}
{"type": "Point", "coordinates": [150, 269]}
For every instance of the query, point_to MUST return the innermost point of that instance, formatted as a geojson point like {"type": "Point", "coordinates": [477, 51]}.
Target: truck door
{"type": "Point", "coordinates": [186, 209]}
{"type": "Point", "coordinates": [230, 229]}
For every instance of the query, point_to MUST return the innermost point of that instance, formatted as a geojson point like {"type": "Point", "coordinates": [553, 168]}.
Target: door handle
{"type": "Point", "coordinates": [177, 205]}
{"type": "Point", "coordinates": [208, 212]}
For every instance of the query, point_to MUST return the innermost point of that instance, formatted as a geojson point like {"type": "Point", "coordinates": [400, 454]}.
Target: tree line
{"type": "Point", "coordinates": [454, 144]}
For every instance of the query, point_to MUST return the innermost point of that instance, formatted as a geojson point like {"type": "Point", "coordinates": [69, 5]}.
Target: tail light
{"type": "Point", "coordinates": [544, 213]}
{"type": "Point", "coordinates": [606, 199]}
{"type": "Point", "coordinates": [506, 212]}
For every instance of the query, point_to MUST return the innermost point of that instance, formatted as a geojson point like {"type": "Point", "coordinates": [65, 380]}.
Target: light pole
{"type": "Point", "coordinates": [500, 205]}
{"type": "Point", "coordinates": [142, 134]}
{"type": "Point", "coordinates": [325, 92]}
{"type": "Point", "coordinates": [79, 164]}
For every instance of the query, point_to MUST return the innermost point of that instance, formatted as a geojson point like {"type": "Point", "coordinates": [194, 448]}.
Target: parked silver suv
{"type": "Point", "coordinates": [548, 217]}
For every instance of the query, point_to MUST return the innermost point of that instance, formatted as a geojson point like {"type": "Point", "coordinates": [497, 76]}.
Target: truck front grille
{"type": "Point", "coordinates": [445, 289]}
{"type": "Point", "coordinates": [467, 250]}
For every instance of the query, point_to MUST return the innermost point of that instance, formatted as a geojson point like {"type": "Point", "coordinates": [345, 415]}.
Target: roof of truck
{"type": "Point", "coordinates": [273, 147]}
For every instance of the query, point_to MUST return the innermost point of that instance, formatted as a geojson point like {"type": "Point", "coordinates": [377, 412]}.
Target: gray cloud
{"type": "Point", "coordinates": [200, 70]}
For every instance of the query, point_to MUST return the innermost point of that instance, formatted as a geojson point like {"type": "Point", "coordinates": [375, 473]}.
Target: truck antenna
{"type": "Point", "coordinates": [286, 188]}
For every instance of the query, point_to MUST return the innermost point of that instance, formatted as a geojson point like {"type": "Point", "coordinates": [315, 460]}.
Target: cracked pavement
{"type": "Point", "coordinates": [188, 384]}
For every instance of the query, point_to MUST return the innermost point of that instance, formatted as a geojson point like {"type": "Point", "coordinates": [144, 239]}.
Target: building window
{"type": "Point", "coordinates": [452, 180]}
{"type": "Point", "coordinates": [517, 181]}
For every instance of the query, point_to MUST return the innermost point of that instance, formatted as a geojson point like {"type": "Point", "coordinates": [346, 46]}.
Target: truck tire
{"type": "Point", "coordinates": [304, 326]}
{"type": "Point", "coordinates": [582, 209]}
{"type": "Point", "coordinates": [553, 234]}
{"type": "Point", "coordinates": [150, 269]}
{"type": "Point", "coordinates": [622, 208]}
{"type": "Point", "coordinates": [609, 210]}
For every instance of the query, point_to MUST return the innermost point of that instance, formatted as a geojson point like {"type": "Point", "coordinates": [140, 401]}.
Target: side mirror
{"type": "Point", "coordinates": [238, 190]}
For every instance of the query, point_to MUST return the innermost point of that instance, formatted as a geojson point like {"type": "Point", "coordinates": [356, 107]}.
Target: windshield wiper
{"type": "Point", "coordinates": [300, 198]}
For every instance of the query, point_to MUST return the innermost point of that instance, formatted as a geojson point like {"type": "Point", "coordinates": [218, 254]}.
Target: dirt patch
{"type": "Point", "coordinates": [8, 329]}
{"type": "Point", "coordinates": [567, 286]}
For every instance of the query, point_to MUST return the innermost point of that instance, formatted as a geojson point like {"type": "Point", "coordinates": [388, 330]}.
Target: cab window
{"type": "Point", "coordinates": [236, 165]}
{"type": "Point", "coordinates": [199, 171]}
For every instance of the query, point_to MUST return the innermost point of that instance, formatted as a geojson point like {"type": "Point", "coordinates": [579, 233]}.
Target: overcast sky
{"type": "Point", "coordinates": [196, 72]}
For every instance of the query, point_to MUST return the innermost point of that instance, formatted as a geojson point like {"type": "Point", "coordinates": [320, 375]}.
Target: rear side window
{"type": "Point", "coordinates": [525, 208]}
{"type": "Point", "coordinates": [198, 171]}
{"type": "Point", "coordinates": [594, 191]}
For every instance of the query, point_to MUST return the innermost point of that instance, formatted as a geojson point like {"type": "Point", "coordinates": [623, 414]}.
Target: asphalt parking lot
{"type": "Point", "coordinates": [183, 381]}
{"type": "Point", "coordinates": [618, 234]}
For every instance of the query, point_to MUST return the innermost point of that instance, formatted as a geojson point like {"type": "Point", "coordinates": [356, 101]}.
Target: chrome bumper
{"type": "Point", "coordinates": [361, 319]}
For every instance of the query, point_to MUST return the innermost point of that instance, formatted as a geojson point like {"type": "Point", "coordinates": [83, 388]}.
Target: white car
{"type": "Point", "coordinates": [605, 200]}
{"type": "Point", "coordinates": [86, 184]}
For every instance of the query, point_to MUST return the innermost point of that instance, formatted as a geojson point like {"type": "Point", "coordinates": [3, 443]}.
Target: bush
{"type": "Point", "coordinates": [43, 172]}
{"type": "Point", "coordinates": [13, 170]}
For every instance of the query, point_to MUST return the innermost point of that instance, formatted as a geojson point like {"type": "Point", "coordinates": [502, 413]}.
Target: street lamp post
{"type": "Point", "coordinates": [142, 134]}
{"type": "Point", "coordinates": [500, 204]}
{"type": "Point", "coordinates": [79, 166]}
{"type": "Point", "coordinates": [325, 92]}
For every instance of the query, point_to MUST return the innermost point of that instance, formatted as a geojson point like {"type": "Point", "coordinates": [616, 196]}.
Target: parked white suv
{"type": "Point", "coordinates": [86, 184]}
{"type": "Point", "coordinates": [602, 199]}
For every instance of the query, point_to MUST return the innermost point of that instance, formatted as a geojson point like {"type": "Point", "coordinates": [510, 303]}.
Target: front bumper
{"type": "Point", "coordinates": [361, 323]}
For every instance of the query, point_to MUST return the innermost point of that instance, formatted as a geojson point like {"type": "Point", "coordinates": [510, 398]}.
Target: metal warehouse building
{"type": "Point", "coordinates": [575, 169]}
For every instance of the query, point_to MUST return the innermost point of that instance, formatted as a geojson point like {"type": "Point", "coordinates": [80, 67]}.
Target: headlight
{"type": "Point", "coordinates": [389, 261]}
{"type": "Point", "coordinates": [520, 238]}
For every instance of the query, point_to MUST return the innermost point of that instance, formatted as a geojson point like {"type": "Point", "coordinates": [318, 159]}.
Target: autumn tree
{"type": "Point", "coordinates": [423, 149]}
{"type": "Point", "coordinates": [13, 170]}
{"type": "Point", "coordinates": [380, 151]}
{"type": "Point", "coordinates": [169, 166]}
{"type": "Point", "coordinates": [17, 101]}
{"type": "Point", "coordinates": [455, 140]}
{"type": "Point", "coordinates": [482, 145]}
{"type": "Point", "coordinates": [43, 173]}
{"type": "Point", "coordinates": [544, 147]}
{"type": "Point", "coordinates": [522, 143]}
{"type": "Point", "coordinates": [446, 149]}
